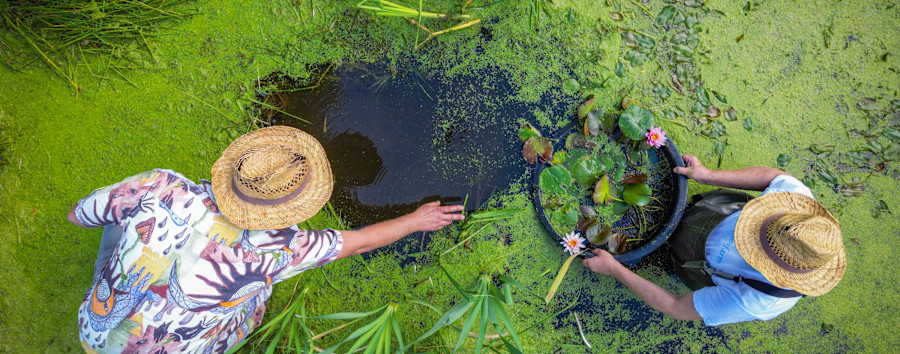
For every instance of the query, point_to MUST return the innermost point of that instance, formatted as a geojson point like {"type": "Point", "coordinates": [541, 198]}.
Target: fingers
{"type": "Point", "coordinates": [450, 208]}
{"type": "Point", "coordinates": [687, 171]}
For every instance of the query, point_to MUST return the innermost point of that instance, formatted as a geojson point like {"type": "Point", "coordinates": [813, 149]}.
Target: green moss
{"type": "Point", "coordinates": [780, 74]}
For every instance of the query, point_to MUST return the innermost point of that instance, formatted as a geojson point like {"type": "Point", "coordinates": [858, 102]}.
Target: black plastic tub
{"type": "Point", "coordinates": [673, 210]}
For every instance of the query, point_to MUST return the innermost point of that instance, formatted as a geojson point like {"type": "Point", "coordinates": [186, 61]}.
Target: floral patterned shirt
{"type": "Point", "coordinates": [184, 279]}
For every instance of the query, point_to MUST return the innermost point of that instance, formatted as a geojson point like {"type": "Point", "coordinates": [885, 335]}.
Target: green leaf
{"type": "Point", "coordinates": [447, 319]}
{"type": "Point", "coordinates": [637, 194]}
{"type": "Point", "coordinates": [571, 86]}
{"type": "Point", "coordinates": [526, 131]}
{"type": "Point", "coordinates": [620, 69]}
{"type": "Point", "coordinates": [720, 97]}
{"type": "Point", "coordinates": [635, 122]}
{"type": "Point", "coordinates": [586, 170]}
{"type": "Point", "coordinates": [535, 148]}
{"type": "Point", "coordinates": [573, 155]}
{"type": "Point", "coordinates": [679, 38]}
{"type": "Point", "coordinates": [346, 315]}
{"type": "Point", "coordinates": [644, 41]}
{"type": "Point", "coordinates": [597, 233]}
{"type": "Point", "coordinates": [893, 134]}
{"type": "Point", "coordinates": [702, 96]}
{"type": "Point", "coordinates": [892, 152]}
{"type": "Point", "coordinates": [731, 114]}
{"type": "Point", "coordinates": [827, 177]}
{"type": "Point", "coordinates": [661, 90]}
{"type": "Point", "coordinates": [665, 14]}
{"type": "Point", "coordinates": [783, 160]}
{"type": "Point", "coordinates": [619, 208]}
{"type": "Point", "coordinates": [874, 146]}
{"type": "Point", "coordinates": [718, 147]}
{"type": "Point", "coordinates": [679, 18]}
{"type": "Point", "coordinates": [553, 180]}
{"type": "Point", "coordinates": [582, 111]}
{"type": "Point", "coordinates": [559, 277]}
{"type": "Point", "coordinates": [748, 123]}
{"type": "Point", "coordinates": [604, 192]}
{"type": "Point", "coordinates": [809, 181]}
{"type": "Point", "coordinates": [592, 123]}
{"type": "Point", "coordinates": [559, 158]}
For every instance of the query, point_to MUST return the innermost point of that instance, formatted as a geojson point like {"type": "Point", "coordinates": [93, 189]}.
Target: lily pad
{"type": "Point", "coordinates": [571, 86]}
{"type": "Point", "coordinates": [628, 102]}
{"type": "Point", "coordinates": [582, 111]}
{"type": "Point", "coordinates": [620, 208]}
{"type": "Point", "coordinates": [605, 192]}
{"type": "Point", "coordinates": [712, 112]}
{"type": "Point", "coordinates": [616, 243]}
{"type": "Point", "coordinates": [537, 147]}
{"type": "Point", "coordinates": [554, 179]}
{"type": "Point", "coordinates": [586, 170]}
{"type": "Point", "coordinates": [731, 114]}
{"type": "Point", "coordinates": [559, 158]}
{"type": "Point", "coordinates": [665, 14]}
{"type": "Point", "coordinates": [702, 96]}
{"type": "Point", "coordinates": [597, 233]}
{"type": "Point", "coordinates": [638, 178]}
{"type": "Point", "coordinates": [587, 210]}
{"type": "Point", "coordinates": [527, 131]}
{"type": "Point", "coordinates": [637, 194]}
{"type": "Point", "coordinates": [592, 123]}
{"type": "Point", "coordinates": [635, 122]}
{"type": "Point", "coordinates": [783, 160]}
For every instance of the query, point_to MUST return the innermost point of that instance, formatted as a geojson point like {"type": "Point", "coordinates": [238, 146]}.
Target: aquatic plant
{"type": "Point", "coordinates": [573, 242]}
{"type": "Point", "coordinates": [287, 330]}
{"type": "Point", "coordinates": [415, 16]}
{"type": "Point", "coordinates": [60, 33]}
{"type": "Point", "coordinates": [376, 336]}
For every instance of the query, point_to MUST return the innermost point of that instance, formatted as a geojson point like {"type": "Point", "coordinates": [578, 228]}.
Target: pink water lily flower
{"type": "Point", "coordinates": [573, 242]}
{"type": "Point", "coordinates": [656, 137]}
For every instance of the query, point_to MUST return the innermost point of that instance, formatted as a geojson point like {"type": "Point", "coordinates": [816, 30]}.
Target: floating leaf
{"type": "Point", "coordinates": [854, 240]}
{"type": "Point", "coordinates": [809, 181]}
{"type": "Point", "coordinates": [827, 327]}
{"type": "Point", "coordinates": [620, 208]}
{"type": "Point", "coordinates": [537, 147]}
{"type": "Point", "coordinates": [683, 50]}
{"type": "Point", "coordinates": [592, 123]}
{"type": "Point", "coordinates": [827, 177]}
{"type": "Point", "coordinates": [628, 102]}
{"type": "Point", "coordinates": [598, 233]}
{"type": "Point", "coordinates": [553, 180]}
{"type": "Point", "coordinates": [635, 122]}
{"type": "Point", "coordinates": [573, 155]}
{"type": "Point", "coordinates": [587, 210]}
{"type": "Point", "coordinates": [527, 131]}
{"type": "Point", "coordinates": [559, 158]}
{"type": "Point", "coordinates": [638, 178]}
{"type": "Point", "coordinates": [874, 146]}
{"type": "Point", "coordinates": [645, 41]}
{"type": "Point", "coordinates": [628, 40]}
{"type": "Point", "coordinates": [748, 124]}
{"type": "Point", "coordinates": [712, 112]}
{"type": "Point", "coordinates": [604, 192]}
{"type": "Point", "coordinates": [679, 18]}
{"type": "Point", "coordinates": [586, 170]}
{"type": "Point", "coordinates": [892, 152]}
{"type": "Point", "coordinates": [636, 57]}
{"type": "Point", "coordinates": [783, 160]}
{"type": "Point", "coordinates": [679, 38]}
{"type": "Point", "coordinates": [858, 157]}
{"type": "Point", "coordinates": [637, 194]}
{"type": "Point", "coordinates": [720, 97]}
{"type": "Point", "coordinates": [616, 16]}
{"type": "Point", "coordinates": [691, 21]}
{"type": "Point", "coordinates": [665, 14]}
{"type": "Point", "coordinates": [571, 86]}
{"type": "Point", "coordinates": [718, 147]}
{"type": "Point", "coordinates": [661, 90]}
{"type": "Point", "coordinates": [616, 243]}
{"type": "Point", "coordinates": [620, 69]}
{"type": "Point", "coordinates": [893, 134]}
{"type": "Point", "coordinates": [819, 149]}
{"type": "Point", "coordinates": [852, 190]}
{"type": "Point", "coordinates": [693, 3]}
{"type": "Point", "coordinates": [582, 111]}
{"type": "Point", "coordinates": [740, 38]}
{"type": "Point", "coordinates": [702, 96]}
{"type": "Point", "coordinates": [731, 114]}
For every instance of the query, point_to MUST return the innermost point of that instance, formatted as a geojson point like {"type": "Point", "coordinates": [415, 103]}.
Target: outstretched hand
{"type": "Point", "coordinates": [432, 216]}
{"type": "Point", "coordinates": [603, 263]}
{"type": "Point", "coordinates": [694, 169]}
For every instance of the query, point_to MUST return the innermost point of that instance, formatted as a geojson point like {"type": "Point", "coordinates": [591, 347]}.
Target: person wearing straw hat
{"type": "Point", "coordinates": [745, 258]}
{"type": "Point", "coordinates": [187, 267]}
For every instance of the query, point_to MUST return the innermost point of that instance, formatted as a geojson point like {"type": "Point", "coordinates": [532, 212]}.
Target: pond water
{"type": "Point", "coordinates": [396, 137]}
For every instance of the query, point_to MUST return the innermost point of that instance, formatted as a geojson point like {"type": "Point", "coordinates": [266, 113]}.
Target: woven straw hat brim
{"type": "Point", "coordinates": [264, 217]}
{"type": "Point", "coordinates": [746, 238]}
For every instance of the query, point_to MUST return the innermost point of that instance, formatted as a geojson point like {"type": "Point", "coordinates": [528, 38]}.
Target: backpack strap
{"type": "Point", "coordinates": [760, 286]}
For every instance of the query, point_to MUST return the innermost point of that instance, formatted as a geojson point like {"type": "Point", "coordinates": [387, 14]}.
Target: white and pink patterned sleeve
{"type": "Point", "coordinates": [312, 249]}
{"type": "Point", "coordinates": [111, 204]}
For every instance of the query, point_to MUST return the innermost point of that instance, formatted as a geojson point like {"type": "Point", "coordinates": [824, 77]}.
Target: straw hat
{"type": "Point", "coordinates": [271, 178]}
{"type": "Point", "coordinates": [793, 241]}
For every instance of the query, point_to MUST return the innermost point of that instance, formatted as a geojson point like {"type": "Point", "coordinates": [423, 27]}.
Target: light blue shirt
{"type": "Point", "coordinates": [730, 302]}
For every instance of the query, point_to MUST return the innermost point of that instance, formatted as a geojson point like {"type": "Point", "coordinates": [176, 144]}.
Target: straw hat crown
{"type": "Point", "coordinates": [272, 178]}
{"type": "Point", "coordinates": [795, 239]}
{"type": "Point", "coordinates": [270, 172]}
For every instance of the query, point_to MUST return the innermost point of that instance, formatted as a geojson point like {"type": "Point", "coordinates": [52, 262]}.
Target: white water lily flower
{"type": "Point", "coordinates": [573, 242]}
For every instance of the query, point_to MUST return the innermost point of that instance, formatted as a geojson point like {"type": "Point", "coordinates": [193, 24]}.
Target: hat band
{"type": "Point", "coordinates": [276, 201]}
{"type": "Point", "coordinates": [764, 240]}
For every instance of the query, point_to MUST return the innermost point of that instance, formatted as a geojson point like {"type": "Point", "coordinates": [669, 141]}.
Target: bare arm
{"type": "Point", "coordinates": [428, 217]}
{"type": "Point", "coordinates": [750, 178]}
{"type": "Point", "coordinates": [677, 307]}
{"type": "Point", "coordinates": [74, 219]}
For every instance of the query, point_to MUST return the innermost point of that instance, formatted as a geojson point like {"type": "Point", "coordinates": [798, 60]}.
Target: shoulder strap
{"type": "Point", "coordinates": [760, 286]}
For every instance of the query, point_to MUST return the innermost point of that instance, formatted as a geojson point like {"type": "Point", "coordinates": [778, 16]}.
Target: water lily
{"type": "Point", "coordinates": [656, 137]}
{"type": "Point", "coordinates": [573, 242]}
